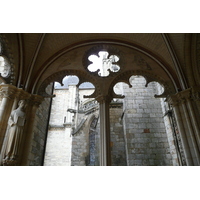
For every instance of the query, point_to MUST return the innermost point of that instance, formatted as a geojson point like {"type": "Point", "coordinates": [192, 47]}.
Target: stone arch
{"type": "Point", "coordinates": [58, 77]}
{"type": "Point", "coordinates": [149, 77]}
{"type": "Point", "coordinates": [67, 58]}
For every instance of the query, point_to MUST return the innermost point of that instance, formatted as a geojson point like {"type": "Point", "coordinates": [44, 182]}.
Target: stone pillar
{"type": "Point", "coordinates": [7, 93]}
{"type": "Point", "coordinates": [105, 150]}
{"type": "Point", "coordinates": [195, 108]}
{"type": "Point", "coordinates": [33, 103]}
{"type": "Point", "coordinates": [182, 104]}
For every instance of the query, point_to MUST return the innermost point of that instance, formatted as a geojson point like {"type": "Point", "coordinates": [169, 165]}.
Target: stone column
{"type": "Point", "coordinates": [195, 108]}
{"type": "Point", "coordinates": [105, 150]}
{"type": "Point", "coordinates": [187, 125]}
{"type": "Point", "coordinates": [7, 93]}
{"type": "Point", "coordinates": [33, 104]}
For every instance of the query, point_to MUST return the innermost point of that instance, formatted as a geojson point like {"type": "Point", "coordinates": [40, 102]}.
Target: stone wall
{"type": "Point", "coordinates": [118, 154]}
{"type": "Point", "coordinates": [145, 133]}
{"type": "Point", "coordinates": [61, 126]}
{"type": "Point", "coordinates": [58, 147]}
{"type": "Point", "coordinates": [36, 155]}
{"type": "Point", "coordinates": [169, 132]}
{"type": "Point", "coordinates": [85, 142]}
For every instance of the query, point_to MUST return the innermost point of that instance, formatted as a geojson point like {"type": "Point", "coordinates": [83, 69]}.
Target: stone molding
{"type": "Point", "coordinates": [185, 95]}
{"type": "Point", "coordinates": [196, 93]}
{"type": "Point", "coordinates": [56, 128]}
{"type": "Point", "coordinates": [8, 91]}
{"type": "Point", "coordinates": [12, 92]}
{"type": "Point", "coordinates": [58, 77]}
{"type": "Point", "coordinates": [180, 97]}
{"type": "Point", "coordinates": [149, 76]}
{"type": "Point", "coordinates": [67, 125]}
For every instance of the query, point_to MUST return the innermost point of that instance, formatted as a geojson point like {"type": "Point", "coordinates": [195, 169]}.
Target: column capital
{"type": "Point", "coordinates": [105, 98]}
{"type": "Point", "coordinates": [12, 92]}
{"type": "Point", "coordinates": [8, 91]}
{"type": "Point", "coordinates": [22, 95]}
{"type": "Point", "coordinates": [180, 97]}
{"type": "Point", "coordinates": [196, 93]}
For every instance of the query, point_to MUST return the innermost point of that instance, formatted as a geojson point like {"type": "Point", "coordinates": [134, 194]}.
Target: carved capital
{"type": "Point", "coordinates": [180, 97]}
{"type": "Point", "coordinates": [8, 91]}
{"type": "Point", "coordinates": [196, 93]}
{"type": "Point", "coordinates": [106, 99]}
{"type": "Point", "coordinates": [22, 95]}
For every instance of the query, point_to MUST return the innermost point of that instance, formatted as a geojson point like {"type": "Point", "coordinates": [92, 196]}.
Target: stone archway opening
{"type": "Point", "coordinates": [67, 130]}
{"type": "Point", "coordinates": [141, 133]}
{"type": "Point", "coordinates": [134, 63]}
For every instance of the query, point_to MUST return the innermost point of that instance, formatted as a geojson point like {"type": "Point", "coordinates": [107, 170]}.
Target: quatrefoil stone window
{"type": "Point", "coordinates": [103, 63]}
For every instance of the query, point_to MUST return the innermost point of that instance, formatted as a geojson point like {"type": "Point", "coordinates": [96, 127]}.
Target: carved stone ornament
{"type": "Point", "coordinates": [5, 68]}
{"type": "Point", "coordinates": [196, 93]}
{"type": "Point", "coordinates": [12, 92]}
{"type": "Point", "coordinates": [8, 91]}
{"type": "Point", "coordinates": [180, 97]}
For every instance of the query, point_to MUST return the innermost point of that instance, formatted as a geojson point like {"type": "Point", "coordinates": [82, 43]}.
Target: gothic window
{"type": "Point", "coordinates": [103, 63]}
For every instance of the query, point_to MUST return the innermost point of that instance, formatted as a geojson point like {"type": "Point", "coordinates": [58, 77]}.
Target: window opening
{"type": "Point", "coordinates": [103, 63]}
{"type": "Point", "coordinates": [68, 126]}
{"type": "Point", "coordinates": [146, 138]}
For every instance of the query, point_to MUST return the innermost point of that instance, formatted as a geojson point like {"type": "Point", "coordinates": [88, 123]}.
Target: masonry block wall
{"type": "Point", "coordinates": [58, 146]}
{"type": "Point", "coordinates": [145, 133]}
{"type": "Point", "coordinates": [118, 153]}
{"type": "Point", "coordinates": [169, 132]}
{"type": "Point", "coordinates": [80, 148]}
{"type": "Point", "coordinates": [40, 132]}
{"type": "Point", "coordinates": [80, 155]}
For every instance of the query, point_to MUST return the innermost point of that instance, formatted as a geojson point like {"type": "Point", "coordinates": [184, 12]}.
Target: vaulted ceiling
{"type": "Point", "coordinates": [37, 56]}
